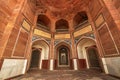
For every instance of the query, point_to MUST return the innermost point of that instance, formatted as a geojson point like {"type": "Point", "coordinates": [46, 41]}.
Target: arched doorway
{"type": "Point", "coordinates": [35, 58]}
{"type": "Point", "coordinates": [63, 56]}
{"type": "Point", "coordinates": [93, 57]}
{"type": "Point", "coordinates": [88, 56]}
{"type": "Point", "coordinates": [43, 48]}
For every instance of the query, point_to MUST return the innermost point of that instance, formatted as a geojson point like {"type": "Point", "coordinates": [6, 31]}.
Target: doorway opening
{"type": "Point", "coordinates": [43, 57]}
{"type": "Point", "coordinates": [93, 58]}
{"type": "Point", "coordinates": [35, 58]}
{"type": "Point", "coordinates": [63, 59]}
{"type": "Point", "coordinates": [88, 55]}
{"type": "Point", "coordinates": [63, 56]}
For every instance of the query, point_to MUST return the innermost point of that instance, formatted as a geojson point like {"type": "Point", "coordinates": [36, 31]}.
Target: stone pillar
{"type": "Point", "coordinates": [52, 52]}
{"type": "Point", "coordinates": [29, 44]}
{"type": "Point", "coordinates": [51, 64]}
{"type": "Point", "coordinates": [52, 47]}
{"type": "Point", "coordinates": [73, 46]}
{"type": "Point", "coordinates": [74, 52]}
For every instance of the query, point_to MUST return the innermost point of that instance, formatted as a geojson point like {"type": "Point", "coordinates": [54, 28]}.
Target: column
{"type": "Point", "coordinates": [29, 44]}
{"type": "Point", "coordinates": [73, 46]}
{"type": "Point", "coordinates": [74, 51]}
{"type": "Point", "coordinates": [52, 52]}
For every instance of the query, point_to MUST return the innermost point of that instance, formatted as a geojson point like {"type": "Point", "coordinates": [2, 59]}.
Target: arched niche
{"type": "Point", "coordinates": [84, 42]}
{"type": "Point", "coordinates": [61, 25]}
{"type": "Point", "coordinates": [93, 57]}
{"type": "Point", "coordinates": [60, 50]}
{"type": "Point", "coordinates": [80, 19]}
{"type": "Point", "coordinates": [43, 45]}
{"type": "Point", "coordinates": [43, 22]}
{"type": "Point", "coordinates": [35, 58]}
{"type": "Point", "coordinates": [82, 45]}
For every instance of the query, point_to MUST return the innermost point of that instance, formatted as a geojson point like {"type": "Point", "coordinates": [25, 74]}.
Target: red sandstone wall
{"type": "Point", "coordinates": [108, 31]}
{"type": "Point", "coordinates": [14, 43]}
{"type": "Point", "coordinates": [94, 8]}
{"type": "Point", "coordinates": [6, 9]}
{"type": "Point", "coordinates": [45, 64]}
{"type": "Point", "coordinates": [23, 35]}
{"type": "Point", "coordinates": [19, 36]}
{"type": "Point", "coordinates": [82, 64]}
{"type": "Point", "coordinates": [117, 4]}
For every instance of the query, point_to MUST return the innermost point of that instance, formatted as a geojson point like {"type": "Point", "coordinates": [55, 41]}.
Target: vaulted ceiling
{"type": "Point", "coordinates": [62, 8]}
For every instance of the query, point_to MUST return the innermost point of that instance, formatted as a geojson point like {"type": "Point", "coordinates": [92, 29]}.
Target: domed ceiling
{"type": "Point", "coordinates": [61, 4]}
{"type": "Point", "coordinates": [61, 12]}
{"type": "Point", "coordinates": [62, 8]}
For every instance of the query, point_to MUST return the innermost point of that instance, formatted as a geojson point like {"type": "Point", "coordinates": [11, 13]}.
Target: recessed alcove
{"type": "Point", "coordinates": [62, 25]}
{"type": "Point", "coordinates": [80, 20]}
{"type": "Point", "coordinates": [43, 22]}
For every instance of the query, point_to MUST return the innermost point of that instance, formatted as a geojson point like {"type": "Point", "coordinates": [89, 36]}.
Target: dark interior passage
{"type": "Point", "coordinates": [35, 59]}
{"type": "Point", "coordinates": [93, 57]}
{"type": "Point", "coordinates": [63, 56]}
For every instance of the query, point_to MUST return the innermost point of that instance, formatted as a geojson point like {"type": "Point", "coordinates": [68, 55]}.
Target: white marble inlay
{"type": "Point", "coordinates": [51, 64]}
{"type": "Point", "coordinates": [104, 65]}
{"type": "Point", "coordinates": [12, 68]}
{"type": "Point", "coordinates": [75, 64]}
{"type": "Point", "coordinates": [113, 65]}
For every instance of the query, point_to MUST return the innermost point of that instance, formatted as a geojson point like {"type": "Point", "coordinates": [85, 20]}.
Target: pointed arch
{"type": "Point", "coordinates": [83, 44]}
{"type": "Point", "coordinates": [61, 47]}
{"type": "Point", "coordinates": [45, 50]}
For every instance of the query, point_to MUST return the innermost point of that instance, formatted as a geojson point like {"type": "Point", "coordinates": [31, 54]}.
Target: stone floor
{"type": "Point", "coordinates": [65, 75]}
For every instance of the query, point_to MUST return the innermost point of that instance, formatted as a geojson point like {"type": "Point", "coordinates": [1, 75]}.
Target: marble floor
{"type": "Point", "coordinates": [65, 75]}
